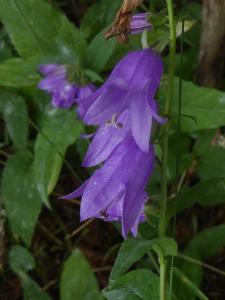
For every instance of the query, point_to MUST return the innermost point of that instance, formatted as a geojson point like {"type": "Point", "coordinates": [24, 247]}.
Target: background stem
{"type": "Point", "coordinates": [168, 103]}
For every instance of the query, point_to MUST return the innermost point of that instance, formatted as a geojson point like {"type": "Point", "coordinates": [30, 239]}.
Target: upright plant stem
{"type": "Point", "coordinates": [168, 104]}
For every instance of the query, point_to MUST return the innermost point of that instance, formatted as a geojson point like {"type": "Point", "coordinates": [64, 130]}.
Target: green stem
{"type": "Point", "coordinates": [163, 280]}
{"type": "Point", "coordinates": [168, 104]}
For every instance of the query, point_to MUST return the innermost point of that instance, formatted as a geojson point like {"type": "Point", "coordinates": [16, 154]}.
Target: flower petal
{"type": "Point", "coordinates": [102, 188]}
{"type": "Point", "coordinates": [49, 84]}
{"type": "Point", "coordinates": [48, 69]}
{"type": "Point", "coordinates": [64, 97]}
{"type": "Point", "coordinates": [112, 100]}
{"type": "Point", "coordinates": [140, 219]}
{"type": "Point", "coordinates": [141, 120]}
{"type": "Point", "coordinates": [77, 193]}
{"type": "Point", "coordinates": [107, 183]}
{"type": "Point", "coordinates": [154, 112]}
{"type": "Point", "coordinates": [132, 208]}
{"type": "Point", "coordinates": [105, 141]}
{"type": "Point", "coordinates": [85, 91]}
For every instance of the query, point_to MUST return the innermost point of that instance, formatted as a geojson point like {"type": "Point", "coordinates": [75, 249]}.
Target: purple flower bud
{"type": "Point", "coordinates": [85, 91]}
{"type": "Point", "coordinates": [84, 99]}
{"type": "Point", "coordinates": [64, 97]}
{"type": "Point", "coordinates": [55, 82]}
{"type": "Point", "coordinates": [139, 23]}
{"type": "Point", "coordinates": [117, 190]}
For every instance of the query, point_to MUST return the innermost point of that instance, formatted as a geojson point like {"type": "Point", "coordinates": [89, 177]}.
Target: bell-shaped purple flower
{"type": "Point", "coordinates": [56, 83]}
{"type": "Point", "coordinates": [139, 23]}
{"type": "Point", "coordinates": [117, 190]}
{"type": "Point", "coordinates": [131, 86]}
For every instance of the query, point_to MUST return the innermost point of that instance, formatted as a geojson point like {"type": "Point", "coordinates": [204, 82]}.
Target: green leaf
{"type": "Point", "coordinates": [99, 52]}
{"type": "Point", "coordinates": [35, 27]}
{"type": "Point", "coordinates": [209, 164]}
{"type": "Point", "coordinates": [21, 198]}
{"type": "Point", "coordinates": [31, 290]}
{"type": "Point", "coordinates": [99, 15]}
{"type": "Point", "coordinates": [209, 152]}
{"type": "Point", "coordinates": [5, 49]}
{"type": "Point", "coordinates": [121, 294]}
{"type": "Point", "coordinates": [78, 281]}
{"type": "Point", "coordinates": [60, 130]}
{"type": "Point", "coordinates": [205, 105]}
{"type": "Point", "coordinates": [17, 72]}
{"type": "Point", "coordinates": [130, 252]}
{"type": "Point", "coordinates": [135, 285]}
{"type": "Point", "coordinates": [188, 283]}
{"type": "Point", "coordinates": [14, 110]}
{"type": "Point", "coordinates": [209, 192]}
{"type": "Point", "coordinates": [168, 246]}
{"type": "Point", "coordinates": [20, 259]}
{"type": "Point", "coordinates": [133, 250]}
{"type": "Point", "coordinates": [203, 246]}
{"type": "Point", "coordinates": [70, 42]}
{"type": "Point", "coordinates": [208, 242]}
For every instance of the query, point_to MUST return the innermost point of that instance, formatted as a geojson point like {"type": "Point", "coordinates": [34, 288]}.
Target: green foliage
{"type": "Point", "coordinates": [14, 111]}
{"type": "Point", "coordinates": [17, 72]}
{"type": "Point", "coordinates": [202, 244]}
{"type": "Point", "coordinates": [202, 108]}
{"type": "Point", "coordinates": [31, 290]}
{"type": "Point", "coordinates": [60, 129]}
{"type": "Point", "coordinates": [21, 197]}
{"type": "Point", "coordinates": [135, 285]}
{"type": "Point", "coordinates": [98, 16]}
{"type": "Point", "coordinates": [133, 250]}
{"type": "Point", "coordinates": [20, 259]}
{"type": "Point", "coordinates": [99, 52]}
{"type": "Point", "coordinates": [36, 142]}
{"type": "Point", "coordinates": [27, 22]}
{"type": "Point", "coordinates": [78, 281]}
{"type": "Point", "coordinates": [189, 284]}
{"type": "Point", "coordinates": [209, 192]}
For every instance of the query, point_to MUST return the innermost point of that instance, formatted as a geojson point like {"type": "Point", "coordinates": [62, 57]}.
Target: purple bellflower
{"type": "Point", "coordinates": [116, 191]}
{"type": "Point", "coordinates": [139, 22]}
{"type": "Point", "coordinates": [131, 86]}
{"type": "Point", "coordinates": [56, 83]}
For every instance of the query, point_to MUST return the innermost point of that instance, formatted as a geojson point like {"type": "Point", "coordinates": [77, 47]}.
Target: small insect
{"type": "Point", "coordinates": [121, 24]}
{"type": "Point", "coordinates": [103, 214]}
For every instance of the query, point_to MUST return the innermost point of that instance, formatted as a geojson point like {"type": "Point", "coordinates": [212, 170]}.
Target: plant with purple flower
{"type": "Point", "coordinates": [125, 108]}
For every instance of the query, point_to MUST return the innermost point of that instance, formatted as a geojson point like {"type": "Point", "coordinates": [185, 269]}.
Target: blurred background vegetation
{"type": "Point", "coordinates": [41, 150]}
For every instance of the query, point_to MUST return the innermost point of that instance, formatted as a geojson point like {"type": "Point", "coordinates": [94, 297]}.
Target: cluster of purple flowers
{"type": "Point", "coordinates": [124, 108]}
{"type": "Point", "coordinates": [64, 94]}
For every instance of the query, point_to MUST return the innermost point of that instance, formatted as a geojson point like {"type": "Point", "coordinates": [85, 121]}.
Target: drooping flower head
{"type": "Point", "coordinates": [56, 83]}
{"type": "Point", "coordinates": [131, 86]}
{"type": "Point", "coordinates": [116, 192]}
{"type": "Point", "coordinates": [64, 94]}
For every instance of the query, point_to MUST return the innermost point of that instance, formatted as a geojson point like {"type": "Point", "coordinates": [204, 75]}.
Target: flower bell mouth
{"type": "Point", "coordinates": [114, 122]}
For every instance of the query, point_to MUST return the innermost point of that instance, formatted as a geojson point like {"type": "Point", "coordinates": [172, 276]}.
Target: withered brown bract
{"type": "Point", "coordinates": [121, 24]}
